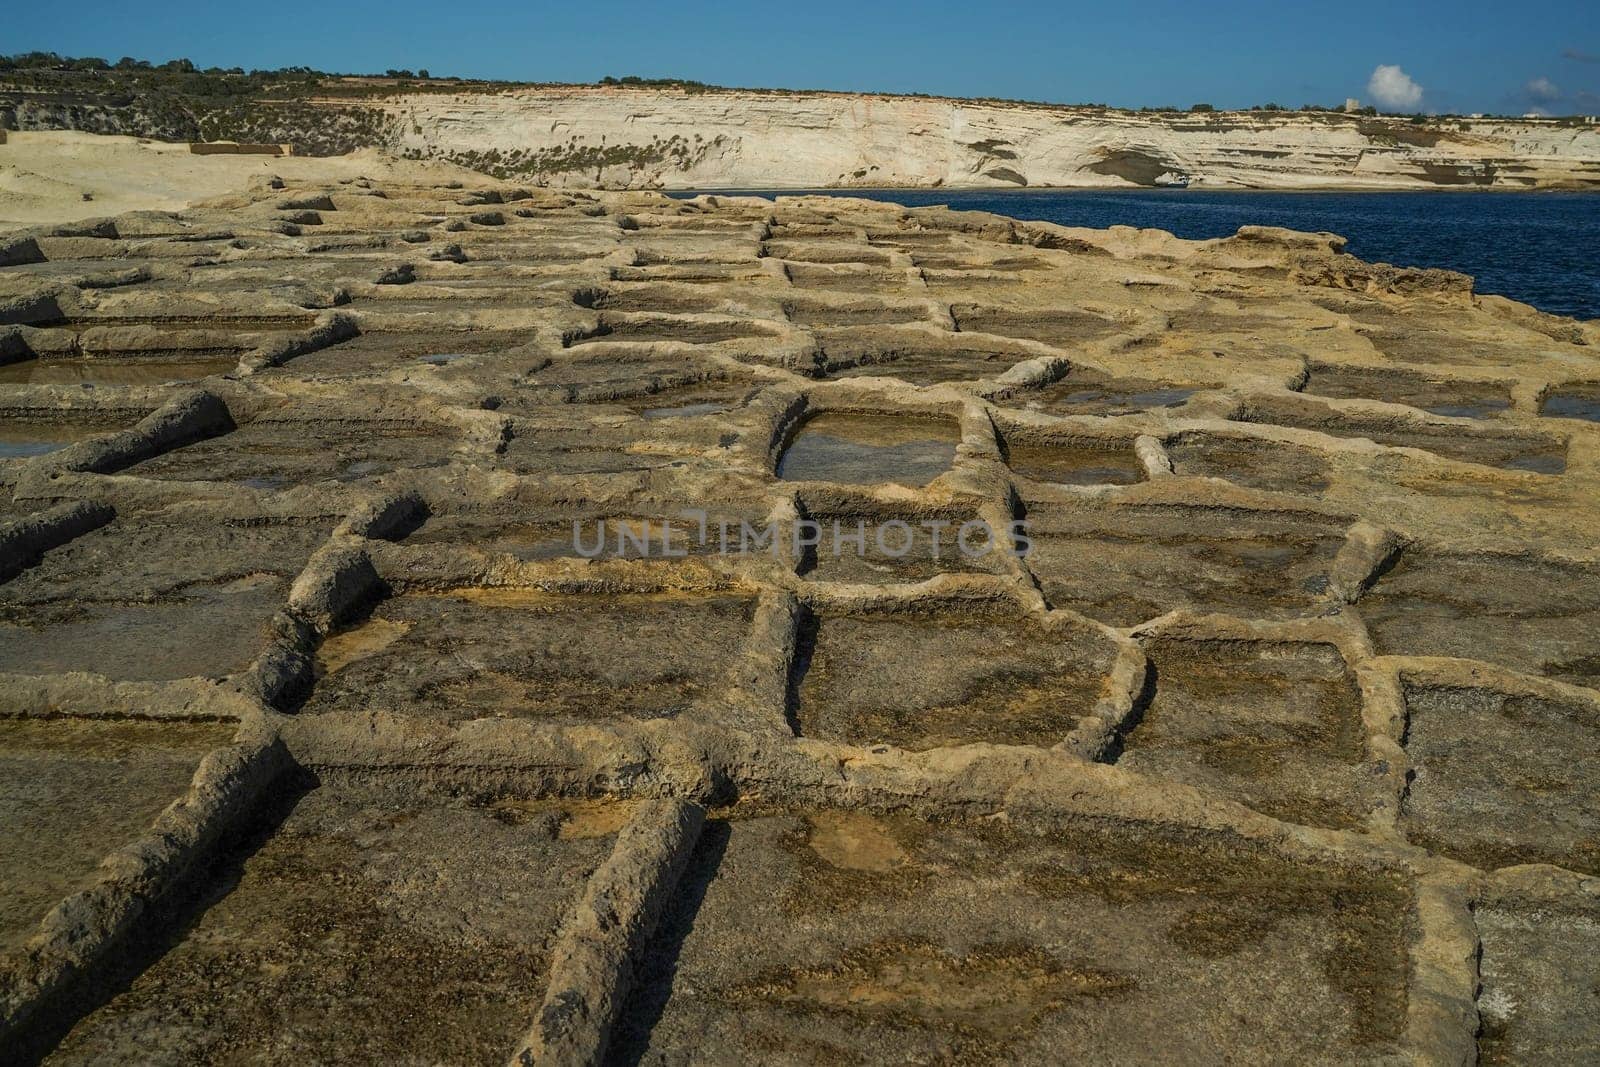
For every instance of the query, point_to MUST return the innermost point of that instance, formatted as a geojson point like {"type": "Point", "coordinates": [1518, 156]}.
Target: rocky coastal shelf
{"type": "Point", "coordinates": [379, 678]}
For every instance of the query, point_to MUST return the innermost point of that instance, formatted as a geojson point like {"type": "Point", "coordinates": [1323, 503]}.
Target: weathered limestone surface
{"type": "Point", "coordinates": [632, 137]}
{"type": "Point", "coordinates": [666, 138]}
{"type": "Point", "coordinates": [463, 623]}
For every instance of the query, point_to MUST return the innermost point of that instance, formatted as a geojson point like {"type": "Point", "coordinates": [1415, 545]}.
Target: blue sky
{"type": "Point", "coordinates": [1464, 56]}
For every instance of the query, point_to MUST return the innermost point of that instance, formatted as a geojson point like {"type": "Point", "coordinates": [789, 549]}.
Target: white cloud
{"type": "Point", "coordinates": [1543, 89]}
{"type": "Point", "coordinates": [1393, 88]}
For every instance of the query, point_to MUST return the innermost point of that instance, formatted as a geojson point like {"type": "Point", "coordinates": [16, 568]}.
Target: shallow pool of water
{"type": "Point", "coordinates": [24, 439]}
{"type": "Point", "coordinates": [1583, 403]}
{"type": "Point", "coordinates": [869, 449]}
{"type": "Point", "coordinates": [1076, 465]}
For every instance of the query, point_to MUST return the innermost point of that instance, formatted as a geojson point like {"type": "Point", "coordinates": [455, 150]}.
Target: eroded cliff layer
{"type": "Point", "coordinates": [660, 137]}
{"type": "Point", "coordinates": [601, 137]}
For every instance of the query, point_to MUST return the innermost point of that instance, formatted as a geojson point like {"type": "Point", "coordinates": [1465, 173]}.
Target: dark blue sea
{"type": "Point", "coordinates": [1540, 248]}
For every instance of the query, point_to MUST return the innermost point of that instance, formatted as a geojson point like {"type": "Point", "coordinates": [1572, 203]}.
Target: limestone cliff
{"type": "Point", "coordinates": [590, 136]}
{"type": "Point", "coordinates": [633, 137]}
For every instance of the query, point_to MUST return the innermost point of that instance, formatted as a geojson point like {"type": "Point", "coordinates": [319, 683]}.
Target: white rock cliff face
{"type": "Point", "coordinates": [668, 138]}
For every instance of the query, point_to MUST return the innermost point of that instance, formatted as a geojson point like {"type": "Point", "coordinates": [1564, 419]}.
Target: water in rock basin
{"type": "Point", "coordinates": [868, 449]}
{"type": "Point", "coordinates": [24, 438]}
{"type": "Point", "coordinates": [1066, 464]}
{"type": "Point", "coordinates": [1578, 402]}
